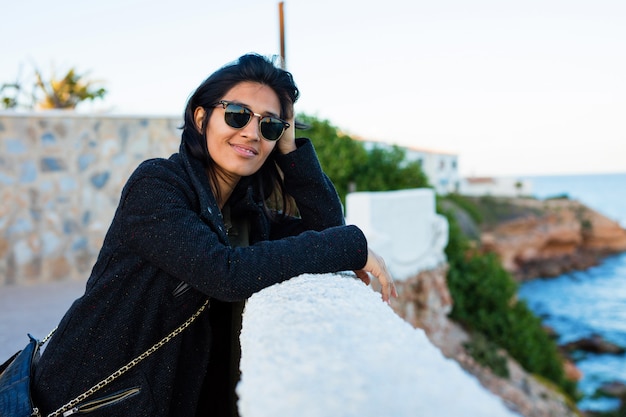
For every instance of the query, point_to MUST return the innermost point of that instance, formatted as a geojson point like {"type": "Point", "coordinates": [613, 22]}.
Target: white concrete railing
{"type": "Point", "coordinates": [326, 345]}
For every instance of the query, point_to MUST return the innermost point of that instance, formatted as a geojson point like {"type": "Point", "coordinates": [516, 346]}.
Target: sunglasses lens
{"type": "Point", "coordinates": [237, 116]}
{"type": "Point", "coordinates": [272, 129]}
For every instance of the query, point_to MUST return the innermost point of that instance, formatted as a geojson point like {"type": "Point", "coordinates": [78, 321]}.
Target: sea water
{"type": "Point", "coordinates": [582, 303]}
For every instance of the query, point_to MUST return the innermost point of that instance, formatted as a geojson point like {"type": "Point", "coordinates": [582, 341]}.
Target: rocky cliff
{"type": "Point", "coordinates": [424, 301]}
{"type": "Point", "coordinates": [533, 238]}
{"type": "Point", "coordinates": [550, 237]}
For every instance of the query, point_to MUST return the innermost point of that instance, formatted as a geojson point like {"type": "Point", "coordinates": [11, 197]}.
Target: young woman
{"type": "Point", "coordinates": [214, 221]}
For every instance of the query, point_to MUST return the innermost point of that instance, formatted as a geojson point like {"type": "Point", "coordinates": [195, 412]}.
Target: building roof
{"type": "Point", "coordinates": [407, 147]}
{"type": "Point", "coordinates": [480, 180]}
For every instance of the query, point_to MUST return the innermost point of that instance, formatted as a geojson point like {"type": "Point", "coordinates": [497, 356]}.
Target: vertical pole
{"type": "Point", "coordinates": [282, 34]}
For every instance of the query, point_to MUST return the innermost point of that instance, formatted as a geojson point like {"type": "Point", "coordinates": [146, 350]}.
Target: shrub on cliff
{"type": "Point", "coordinates": [352, 167]}
{"type": "Point", "coordinates": [484, 295]}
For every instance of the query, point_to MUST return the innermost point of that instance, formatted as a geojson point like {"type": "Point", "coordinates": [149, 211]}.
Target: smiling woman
{"type": "Point", "coordinates": [209, 225]}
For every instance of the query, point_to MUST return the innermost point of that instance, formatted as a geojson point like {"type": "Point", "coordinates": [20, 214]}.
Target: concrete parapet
{"type": "Point", "coordinates": [326, 345]}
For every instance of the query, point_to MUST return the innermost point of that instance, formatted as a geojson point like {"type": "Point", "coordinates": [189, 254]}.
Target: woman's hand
{"type": "Point", "coordinates": [287, 142]}
{"type": "Point", "coordinates": [375, 265]}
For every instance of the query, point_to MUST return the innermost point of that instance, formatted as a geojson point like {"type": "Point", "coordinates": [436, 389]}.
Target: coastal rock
{"type": "Point", "coordinates": [559, 236]}
{"type": "Point", "coordinates": [571, 371]}
{"type": "Point", "coordinates": [594, 344]}
{"type": "Point", "coordinates": [424, 301]}
{"type": "Point", "coordinates": [615, 389]}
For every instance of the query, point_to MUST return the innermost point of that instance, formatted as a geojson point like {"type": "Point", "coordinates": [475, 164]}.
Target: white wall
{"type": "Point", "coordinates": [401, 226]}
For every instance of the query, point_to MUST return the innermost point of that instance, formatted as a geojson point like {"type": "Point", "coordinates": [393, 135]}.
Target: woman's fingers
{"type": "Point", "coordinates": [388, 287]}
{"type": "Point", "coordinates": [376, 266]}
{"type": "Point", "coordinates": [363, 276]}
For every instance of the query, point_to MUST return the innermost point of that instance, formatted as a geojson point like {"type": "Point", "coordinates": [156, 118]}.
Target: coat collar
{"type": "Point", "coordinates": [209, 210]}
{"type": "Point", "coordinates": [242, 200]}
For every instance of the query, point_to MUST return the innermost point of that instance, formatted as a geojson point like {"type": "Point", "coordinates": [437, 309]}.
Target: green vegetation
{"type": "Point", "coordinates": [564, 196]}
{"type": "Point", "coordinates": [353, 168]}
{"type": "Point", "coordinates": [488, 354]}
{"type": "Point", "coordinates": [484, 293]}
{"type": "Point", "coordinates": [467, 206]}
{"type": "Point", "coordinates": [586, 224]}
{"type": "Point", "coordinates": [494, 210]}
{"type": "Point", "coordinates": [485, 301]}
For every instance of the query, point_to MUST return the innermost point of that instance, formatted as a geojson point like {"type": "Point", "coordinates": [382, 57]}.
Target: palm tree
{"type": "Point", "coordinates": [67, 92]}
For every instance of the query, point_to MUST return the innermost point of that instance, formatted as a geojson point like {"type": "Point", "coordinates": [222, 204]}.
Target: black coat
{"type": "Point", "coordinates": [167, 232]}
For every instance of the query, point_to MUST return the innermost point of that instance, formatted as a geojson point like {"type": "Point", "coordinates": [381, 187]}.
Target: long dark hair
{"type": "Point", "coordinates": [267, 183]}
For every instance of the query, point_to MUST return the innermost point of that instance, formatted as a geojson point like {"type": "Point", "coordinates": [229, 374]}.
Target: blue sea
{"type": "Point", "coordinates": [582, 303]}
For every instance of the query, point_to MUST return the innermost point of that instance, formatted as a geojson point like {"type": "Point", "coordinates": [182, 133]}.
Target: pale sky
{"type": "Point", "coordinates": [516, 87]}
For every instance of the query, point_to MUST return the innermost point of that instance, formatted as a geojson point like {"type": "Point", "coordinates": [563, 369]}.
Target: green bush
{"type": "Point", "coordinates": [563, 196]}
{"type": "Point", "coordinates": [484, 295]}
{"type": "Point", "coordinates": [467, 205]}
{"type": "Point", "coordinates": [493, 210]}
{"type": "Point", "coordinates": [340, 156]}
{"type": "Point", "coordinates": [386, 169]}
{"type": "Point", "coordinates": [486, 353]}
{"type": "Point", "coordinates": [353, 168]}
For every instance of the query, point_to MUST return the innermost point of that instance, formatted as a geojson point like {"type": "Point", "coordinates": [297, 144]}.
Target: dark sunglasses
{"type": "Point", "coordinates": [238, 117]}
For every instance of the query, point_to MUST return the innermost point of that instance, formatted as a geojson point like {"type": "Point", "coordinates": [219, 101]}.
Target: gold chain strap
{"type": "Point", "coordinates": [45, 339]}
{"type": "Point", "coordinates": [128, 366]}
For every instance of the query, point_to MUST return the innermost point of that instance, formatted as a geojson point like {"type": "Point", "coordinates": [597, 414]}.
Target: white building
{"type": "Point", "coordinates": [495, 186]}
{"type": "Point", "coordinates": [441, 168]}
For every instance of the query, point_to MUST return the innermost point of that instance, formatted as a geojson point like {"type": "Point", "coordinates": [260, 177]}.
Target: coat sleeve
{"type": "Point", "coordinates": [159, 222]}
{"type": "Point", "coordinates": [315, 195]}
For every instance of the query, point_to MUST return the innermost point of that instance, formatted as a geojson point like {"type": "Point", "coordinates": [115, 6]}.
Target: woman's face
{"type": "Point", "coordinates": [240, 152]}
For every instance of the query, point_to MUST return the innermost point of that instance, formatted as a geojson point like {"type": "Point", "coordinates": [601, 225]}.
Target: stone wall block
{"type": "Point", "coordinates": [57, 268]}
{"type": "Point", "coordinates": [61, 175]}
{"type": "Point", "coordinates": [52, 164]}
{"type": "Point", "coordinates": [27, 172]}
{"type": "Point", "coordinates": [15, 147]}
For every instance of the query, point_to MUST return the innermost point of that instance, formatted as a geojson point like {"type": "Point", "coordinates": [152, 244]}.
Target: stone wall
{"type": "Point", "coordinates": [61, 175]}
